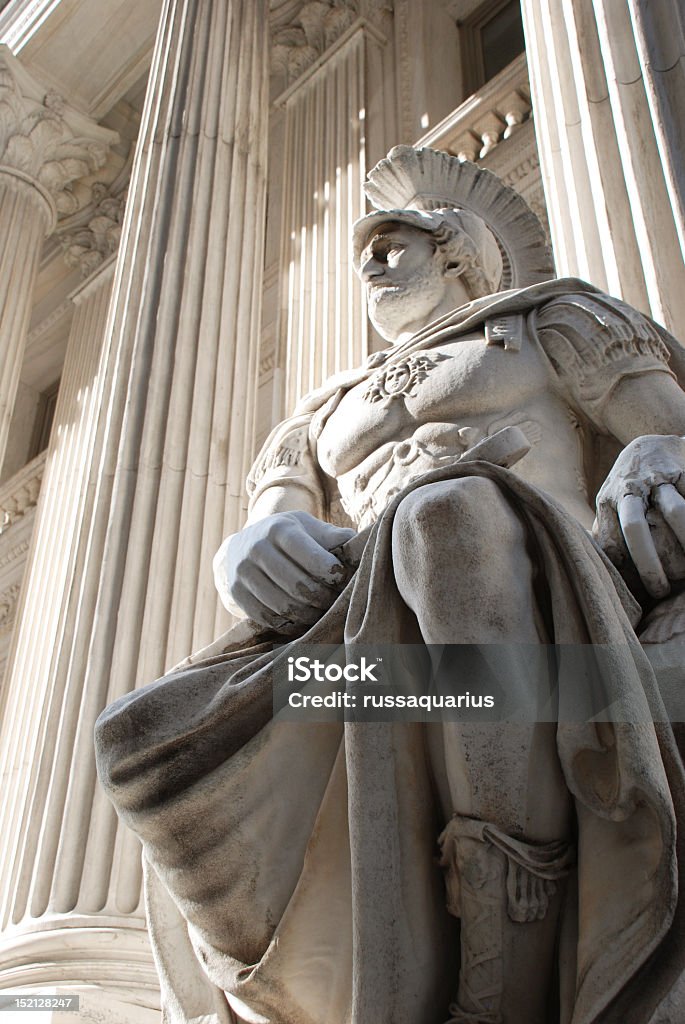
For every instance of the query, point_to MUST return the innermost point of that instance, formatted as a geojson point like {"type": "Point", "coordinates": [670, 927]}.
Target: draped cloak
{"type": "Point", "coordinates": [291, 865]}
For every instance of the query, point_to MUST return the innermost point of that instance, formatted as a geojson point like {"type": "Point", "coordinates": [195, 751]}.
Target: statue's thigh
{"type": "Point", "coordinates": [462, 561]}
{"type": "Point", "coordinates": [507, 773]}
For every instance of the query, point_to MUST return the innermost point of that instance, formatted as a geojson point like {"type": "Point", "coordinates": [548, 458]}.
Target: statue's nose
{"type": "Point", "coordinates": [370, 269]}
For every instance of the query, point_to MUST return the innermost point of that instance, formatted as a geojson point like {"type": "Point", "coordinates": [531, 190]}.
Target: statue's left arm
{"type": "Point", "coordinates": [615, 362]}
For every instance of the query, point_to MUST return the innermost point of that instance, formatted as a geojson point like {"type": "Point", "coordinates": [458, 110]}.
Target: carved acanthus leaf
{"type": "Point", "coordinates": [44, 138]}
{"type": "Point", "coordinates": [88, 246]}
{"type": "Point", "coordinates": [317, 26]}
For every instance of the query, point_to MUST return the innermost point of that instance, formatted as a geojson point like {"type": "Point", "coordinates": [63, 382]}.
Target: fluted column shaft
{"type": "Point", "coordinates": [660, 39]}
{"type": "Point", "coordinates": [26, 217]}
{"type": "Point", "coordinates": [338, 118]}
{"type": "Point", "coordinates": [171, 445]}
{"type": "Point", "coordinates": [323, 323]}
{"type": "Point", "coordinates": [610, 161]}
{"type": "Point", "coordinates": [39, 718]}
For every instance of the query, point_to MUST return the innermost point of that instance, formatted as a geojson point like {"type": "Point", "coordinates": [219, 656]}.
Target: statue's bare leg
{"type": "Point", "coordinates": [462, 564]}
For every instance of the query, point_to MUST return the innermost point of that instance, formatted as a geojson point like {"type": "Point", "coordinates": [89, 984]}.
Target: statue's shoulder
{"type": "Point", "coordinates": [592, 314]}
{"type": "Point", "coordinates": [584, 330]}
{"type": "Point", "coordinates": [593, 340]}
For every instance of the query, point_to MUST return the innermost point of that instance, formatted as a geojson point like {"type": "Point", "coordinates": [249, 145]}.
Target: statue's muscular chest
{"type": "Point", "coordinates": [466, 383]}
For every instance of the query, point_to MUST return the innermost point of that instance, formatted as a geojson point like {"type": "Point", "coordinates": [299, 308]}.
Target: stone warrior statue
{"type": "Point", "coordinates": [302, 873]}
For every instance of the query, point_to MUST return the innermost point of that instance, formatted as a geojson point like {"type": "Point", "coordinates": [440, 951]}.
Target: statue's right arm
{"type": "Point", "coordinates": [279, 568]}
{"type": "Point", "coordinates": [614, 363]}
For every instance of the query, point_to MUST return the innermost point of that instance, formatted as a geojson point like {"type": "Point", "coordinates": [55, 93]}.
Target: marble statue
{"type": "Point", "coordinates": [393, 872]}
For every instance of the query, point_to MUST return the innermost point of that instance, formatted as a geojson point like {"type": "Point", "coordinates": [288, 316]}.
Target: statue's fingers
{"type": "Point", "coordinates": [314, 559]}
{"type": "Point", "coordinates": [266, 602]}
{"type": "Point", "coordinates": [671, 504]}
{"type": "Point", "coordinates": [325, 534]}
{"type": "Point", "coordinates": [293, 578]}
{"type": "Point", "coordinates": [607, 531]}
{"type": "Point", "coordinates": [253, 608]}
{"type": "Point", "coordinates": [631, 514]}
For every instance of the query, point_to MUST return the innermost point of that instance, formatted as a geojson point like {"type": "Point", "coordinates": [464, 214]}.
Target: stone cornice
{"type": "Point", "coordinates": [46, 140]}
{"type": "Point", "coordinates": [20, 21]}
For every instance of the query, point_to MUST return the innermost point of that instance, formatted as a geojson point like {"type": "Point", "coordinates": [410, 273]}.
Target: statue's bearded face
{"type": "Point", "coordinates": [404, 275]}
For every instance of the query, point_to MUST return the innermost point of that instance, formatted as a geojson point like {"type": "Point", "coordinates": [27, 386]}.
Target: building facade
{"type": "Point", "coordinates": [178, 179]}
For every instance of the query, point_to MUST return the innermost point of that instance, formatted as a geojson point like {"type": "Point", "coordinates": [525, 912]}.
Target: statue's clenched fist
{"type": "Point", "coordinates": [280, 569]}
{"type": "Point", "coordinates": [641, 511]}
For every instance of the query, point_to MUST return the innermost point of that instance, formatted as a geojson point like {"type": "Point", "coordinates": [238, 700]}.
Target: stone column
{"type": "Point", "coordinates": [171, 445]}
{"type": "Point", "coordinates": [609, 150]}
{"type": "Point", "coordinates": [45, 147]}
{"type": "Point", "coordinates": [660, 40]}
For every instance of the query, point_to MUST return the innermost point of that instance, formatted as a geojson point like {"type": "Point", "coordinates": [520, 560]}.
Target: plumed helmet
{"type": "Point", "coordinates": [438, 193]}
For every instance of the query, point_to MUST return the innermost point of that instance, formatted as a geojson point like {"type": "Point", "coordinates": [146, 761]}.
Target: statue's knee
{"type": "Point", "coordinates": [458, 547]}
{"type": "Point", "coordinates": [462, 515]}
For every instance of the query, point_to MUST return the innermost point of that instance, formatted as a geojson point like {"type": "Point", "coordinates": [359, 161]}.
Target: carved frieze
{"type": "Point", "coordinates": [45, 140]}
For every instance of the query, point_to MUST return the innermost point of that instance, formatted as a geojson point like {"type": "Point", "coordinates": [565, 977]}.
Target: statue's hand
{"type": "Point", "coordinates": [641, 511]}
{"type": "Point", "coordinates": [280, 570]}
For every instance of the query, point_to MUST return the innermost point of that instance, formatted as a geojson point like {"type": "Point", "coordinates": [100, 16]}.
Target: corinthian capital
{"type": "Point", "coordinates": [89, 245]}
{"type": "Point", "coordinates": [44, 139]}
{"type": "Point", "coordinates": [315, 26]}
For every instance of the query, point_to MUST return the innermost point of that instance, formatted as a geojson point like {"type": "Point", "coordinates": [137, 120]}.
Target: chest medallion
{"type": "Point", "coordinates": [401, 379]}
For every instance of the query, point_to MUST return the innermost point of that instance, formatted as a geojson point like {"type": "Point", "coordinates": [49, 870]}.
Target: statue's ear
{"type": "Point", "coordinates": [454, 268]}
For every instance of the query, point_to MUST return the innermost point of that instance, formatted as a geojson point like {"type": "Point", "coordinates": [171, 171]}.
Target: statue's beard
{"type": "Point", "coordinates": [395, 309]}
